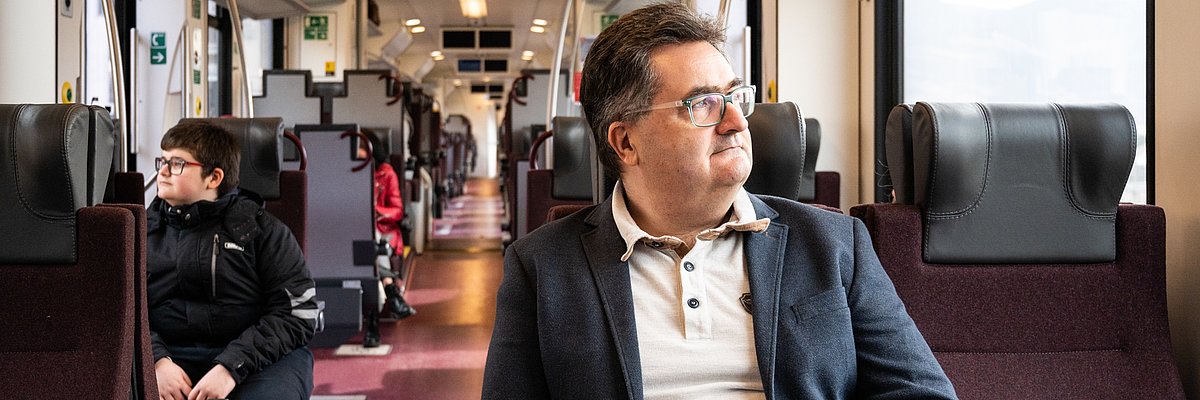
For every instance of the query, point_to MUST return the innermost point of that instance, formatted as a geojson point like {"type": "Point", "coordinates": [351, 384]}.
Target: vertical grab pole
{"type": "Point", "coordinates": [118, 72]}
{"type": "Point", "coordinates": [185, 89]}
{"type": "Point", "coordinates": [552, 98]}
{"type": "Point", "coordinates": [247, 101]}
{"type": "Point", "coordinates": [133, 91]}
{"type": "Point", "coordinates": [746, 52]}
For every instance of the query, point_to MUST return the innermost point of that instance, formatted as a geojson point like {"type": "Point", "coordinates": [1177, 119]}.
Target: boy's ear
{"type": "Point", "coordinates": [215, 178]}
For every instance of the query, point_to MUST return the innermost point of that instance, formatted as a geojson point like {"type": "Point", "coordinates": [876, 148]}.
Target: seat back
{"type": "Point", "coordinates": [572, 159]}
{"type": "Point", "coordinates": [990, 260]}
{"type": "Point", "coordinates": [341, 253]}
{"type": "Point", "coordinates": [58, 248]}
{"type": "Point", "coordinates": [785, 152]}
{"type": "Point", "coordinates": [262, 168]}
{"type": "Point", "coordinates": [569, 182]}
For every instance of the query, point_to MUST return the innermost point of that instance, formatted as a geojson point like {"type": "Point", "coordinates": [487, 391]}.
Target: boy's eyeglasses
{"type": "Point", "coordinates": [709, 109]}
{"type": "Point", "coordinates": [176, 164]}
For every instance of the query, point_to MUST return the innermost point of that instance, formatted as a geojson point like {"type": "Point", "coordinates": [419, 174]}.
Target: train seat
{"type": "Point", "coordinates": [341, 254]}
{"type": "Point", "coordinates": [262, 172]}
{"type": "Point", "coordinates": [786, 146]}
{"type": "Point", "coordinates": [67, 249]}
{"type": "Point", "coordinates": [570, 181]}
{"type": "Point", "coordinates": [1014, 258]}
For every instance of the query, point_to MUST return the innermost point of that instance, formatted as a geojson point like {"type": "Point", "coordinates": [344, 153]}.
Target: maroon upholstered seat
{"type": "Point", "coordinates": [1013, 257]}
{"type": "Point", "coordinates": [70, 286]}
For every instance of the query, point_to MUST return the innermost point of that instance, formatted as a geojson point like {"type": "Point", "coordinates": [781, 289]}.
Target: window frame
{"type": "Point", "coordinates": [889, 88]}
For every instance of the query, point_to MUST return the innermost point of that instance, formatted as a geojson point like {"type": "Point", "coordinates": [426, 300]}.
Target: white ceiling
{"type": "Point", "coordinates": [434, 14]}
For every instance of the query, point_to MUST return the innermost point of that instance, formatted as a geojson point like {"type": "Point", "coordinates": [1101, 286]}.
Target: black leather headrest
{"type": "Point", "coordinates": [785, 152]}
{"type": "Point", "coordinates": [262, 151]}
{"type": "Point", "coordinates": [1020, 183]}
{"type": "Point", "coordinates": [572, 158]}
{"type": "Point", "coordinates": [56, 160]}
{"type": "Point", "coordinates": [899, 150]}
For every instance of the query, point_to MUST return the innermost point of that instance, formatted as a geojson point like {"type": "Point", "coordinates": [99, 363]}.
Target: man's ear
{"type": "Point", "coordinates": [215, 178]}
{"type": "Point", "coordinates": [618, 139]}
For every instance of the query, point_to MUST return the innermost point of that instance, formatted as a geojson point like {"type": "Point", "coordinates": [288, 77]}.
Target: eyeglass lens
{"type": "Point", "coordinates": [708, 110]}
{"type": "Point", "coordinates": [176, 164]}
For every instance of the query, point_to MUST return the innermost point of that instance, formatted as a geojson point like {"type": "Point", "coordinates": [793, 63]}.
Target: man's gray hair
{"type": "Point", "coordinates": [617, 75]}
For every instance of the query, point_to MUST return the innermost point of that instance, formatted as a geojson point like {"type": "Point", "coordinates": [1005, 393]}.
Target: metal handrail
{"type": "Point", "coordinates": [118, 76]}
{"type": "Point", "coordinates": [299, 148]}
{"type": "Point", "coordinates": [235, 18]}
{"type": "Point", "coordinates": [370, 149]}
{"type": "Point", "coordinates": [134, 138]}
{"type": "Point", "coordinates": [551, 98]}
{"type": "Point", "coordinates": [185, 83]}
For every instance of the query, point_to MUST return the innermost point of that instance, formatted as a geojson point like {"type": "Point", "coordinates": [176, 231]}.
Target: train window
{"type": "Point", "coordinates": [1031, 51]}
{"type": "Point", "coordinates": [258, 36]}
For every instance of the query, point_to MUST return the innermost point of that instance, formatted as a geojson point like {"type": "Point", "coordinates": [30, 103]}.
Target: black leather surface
{"type": "Point", "coordinates": [785, 152]}
{"type": "Point", "coordinates": [262, 151]}
{"type": "Point", "coordinates": [56, 160]}
{"type": "Point", "coordinates": [899, 151]}
{"type": "Point", "coordinates": [572, 159]}
{"type": "Point", "coordinates": [1020, 183]}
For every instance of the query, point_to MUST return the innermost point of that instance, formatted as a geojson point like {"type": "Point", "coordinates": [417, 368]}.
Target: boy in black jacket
{"type": "Point", "coordinates": [231, 300]}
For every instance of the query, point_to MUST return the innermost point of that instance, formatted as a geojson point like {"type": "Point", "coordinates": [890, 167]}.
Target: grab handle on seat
{"type": "Point", "coordinates": [299, 148]}
{"type": "Point", "coordinates": [533, 149]}
{"type": "Point", "coordinates": [370, 149]}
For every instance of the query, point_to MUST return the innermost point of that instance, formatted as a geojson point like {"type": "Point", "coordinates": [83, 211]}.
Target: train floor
{"type": "Point", "coordinates": [439, 353]}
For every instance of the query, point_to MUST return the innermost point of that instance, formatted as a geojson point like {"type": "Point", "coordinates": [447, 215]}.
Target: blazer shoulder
{"type": "Point", "coordinates": [794, 210]}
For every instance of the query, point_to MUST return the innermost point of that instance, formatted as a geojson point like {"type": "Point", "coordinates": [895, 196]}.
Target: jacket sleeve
{"type": "Point", "coordinates": [514, 361]}
{"type": "Point", "coordinates": [390, 206]}
{"type": "Point", "coordinates": [158, 346]}
{"type": "Point", "coordinates": [894, 361]}
{"type": "Point", "coordinates": [291, 311]}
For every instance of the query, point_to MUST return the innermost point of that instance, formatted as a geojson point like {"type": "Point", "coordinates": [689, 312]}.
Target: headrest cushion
{"type": "Point", "coordinates": [572, 159]}
{"type": "Point", "coordinates": [262, 151]}
{"type": "Point", "coordinates": [56, 160]}
{"type": "Point", "coordinates": [1020, 183]}
{"type": "Point", "coordinates": [785, 152]}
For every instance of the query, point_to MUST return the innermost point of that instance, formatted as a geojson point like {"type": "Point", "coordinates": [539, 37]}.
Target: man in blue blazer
{"type": "Point", "coordinates": [682, 285]}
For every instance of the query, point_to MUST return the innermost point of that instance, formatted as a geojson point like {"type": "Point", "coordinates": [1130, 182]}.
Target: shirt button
{"type": "Point", "coordinates": [693, 303]}
{"type": "Point", "coordinates": [688, 266]}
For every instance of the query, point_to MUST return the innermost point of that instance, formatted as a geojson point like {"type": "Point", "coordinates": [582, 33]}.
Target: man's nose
{"type": "Point", "coordinates": [734, 120]}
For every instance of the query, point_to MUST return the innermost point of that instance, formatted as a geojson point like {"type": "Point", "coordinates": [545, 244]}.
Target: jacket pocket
{"type": "Point", "coordinates": [827, 301]}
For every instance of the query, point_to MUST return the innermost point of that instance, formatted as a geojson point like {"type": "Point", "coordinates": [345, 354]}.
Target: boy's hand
{"type": "Point", "coordinates": [173, 383]}
{"type": "Point", "coordinates": [216, 384]}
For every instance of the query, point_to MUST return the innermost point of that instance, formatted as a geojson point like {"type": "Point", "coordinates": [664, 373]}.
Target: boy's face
{"type": "Point", "coordinates": [190, 186]}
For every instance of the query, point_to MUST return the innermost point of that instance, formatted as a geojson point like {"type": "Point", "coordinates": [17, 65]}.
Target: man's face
{"type": "Point", "coordinates": [674, 153]}
{"type": "Point", "coordinates": [186, 188]}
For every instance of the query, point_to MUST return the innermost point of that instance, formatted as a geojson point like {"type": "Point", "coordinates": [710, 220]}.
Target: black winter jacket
{"type": "Point", "coordinates": [227, 274]}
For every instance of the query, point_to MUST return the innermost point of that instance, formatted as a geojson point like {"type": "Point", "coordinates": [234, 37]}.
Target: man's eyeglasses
{"type": "Point", "coordinates": [176, 164]}
{"type": "Point", "coordinates": [709, 109]}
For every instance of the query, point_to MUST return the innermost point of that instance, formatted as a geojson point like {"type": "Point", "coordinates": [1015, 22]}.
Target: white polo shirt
{"type": "Point", "coordinates": [695, 331]}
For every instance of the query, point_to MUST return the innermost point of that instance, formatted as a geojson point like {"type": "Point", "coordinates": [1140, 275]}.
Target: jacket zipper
{"type": "Point", "coordinates": [216, 241]}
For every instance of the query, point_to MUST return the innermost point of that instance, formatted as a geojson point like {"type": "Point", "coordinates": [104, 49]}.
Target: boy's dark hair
{"type": "Point", "coordinates": [212, 145]}
{"type": "Point", "coordinates": [617, 74]}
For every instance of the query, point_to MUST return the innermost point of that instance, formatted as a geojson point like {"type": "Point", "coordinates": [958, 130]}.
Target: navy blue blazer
{"type": "Point", "coordinates": [827, 321]}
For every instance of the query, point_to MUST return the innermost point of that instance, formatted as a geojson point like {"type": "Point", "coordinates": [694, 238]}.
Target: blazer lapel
{"type": "Point", "coordinates": [764, 265]}
{"type": "Point", "coordinates": [604, 248]}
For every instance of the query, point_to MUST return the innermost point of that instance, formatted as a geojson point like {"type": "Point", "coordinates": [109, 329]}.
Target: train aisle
{"type": "Point", "coordinates": [438, 353]}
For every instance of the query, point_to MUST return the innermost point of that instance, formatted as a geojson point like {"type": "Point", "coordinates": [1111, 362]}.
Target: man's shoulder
{"type": "Point", "coordinates": [788, 208]}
